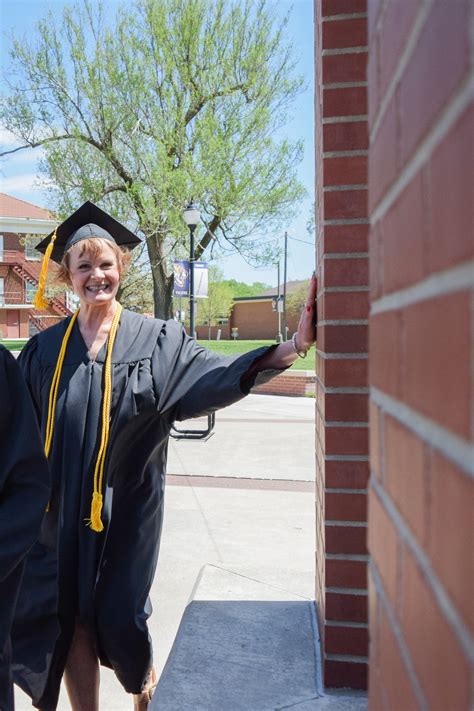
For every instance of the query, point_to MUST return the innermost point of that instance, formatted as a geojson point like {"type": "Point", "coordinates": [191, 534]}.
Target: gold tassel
{"type": "Point", "coordinates": [39, 300]}
{"type": "Point", "coordinates": [96, 509]}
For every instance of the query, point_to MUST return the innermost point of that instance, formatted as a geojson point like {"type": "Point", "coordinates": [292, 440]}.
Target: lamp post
{"type": "Point", "coordinates": [191, 217]}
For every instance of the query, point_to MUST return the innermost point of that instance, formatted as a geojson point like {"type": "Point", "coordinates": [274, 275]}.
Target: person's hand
{"type": "Point", "coordinates": [306, 333]}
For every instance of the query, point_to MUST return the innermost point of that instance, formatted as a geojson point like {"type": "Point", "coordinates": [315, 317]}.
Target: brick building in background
{"type": "Point", "coordinates": [416, 128]}
{"type": "Point", "coordinates": [256, 317]}
{"type": "Point", "coordinates": [20, 267]}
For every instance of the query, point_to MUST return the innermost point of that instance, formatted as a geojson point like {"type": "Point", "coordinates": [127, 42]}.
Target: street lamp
{"type": "Point", "coordinates": [191, 216]}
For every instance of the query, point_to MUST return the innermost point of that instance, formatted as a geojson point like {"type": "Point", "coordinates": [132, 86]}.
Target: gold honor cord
{"type": "Point", "coordinates": [95, 521]}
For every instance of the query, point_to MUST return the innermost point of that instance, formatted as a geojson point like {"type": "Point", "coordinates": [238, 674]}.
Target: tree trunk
{"type": "Point", "coordinates": [162, 283]}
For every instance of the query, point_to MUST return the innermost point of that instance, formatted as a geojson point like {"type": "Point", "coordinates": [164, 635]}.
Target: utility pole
{"type": "Point", "coordinates": [279, 337]}
{"type": "Point", "coordinates": [285, 333]}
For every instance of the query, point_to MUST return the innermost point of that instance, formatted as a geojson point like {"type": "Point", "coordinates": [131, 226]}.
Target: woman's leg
{"type": "Point", "coordinates": [141, 701]}
{"type": "Point", "coordinates": [82, 671]}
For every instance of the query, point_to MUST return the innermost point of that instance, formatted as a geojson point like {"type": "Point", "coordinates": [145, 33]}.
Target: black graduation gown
{"type": "Point", "coordinates": [159, 375]}
{"type": "Point", "coordinates": [24, 492]}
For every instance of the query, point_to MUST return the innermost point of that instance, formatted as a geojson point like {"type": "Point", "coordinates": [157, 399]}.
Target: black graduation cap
{"type": "Point", "coordinates": [88, 221]}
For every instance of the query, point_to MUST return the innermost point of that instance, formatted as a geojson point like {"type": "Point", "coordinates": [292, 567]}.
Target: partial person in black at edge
{"type": "Point", "coordinates": [24, 493]}
{"type": "Point", "coordinates": [107, 385]}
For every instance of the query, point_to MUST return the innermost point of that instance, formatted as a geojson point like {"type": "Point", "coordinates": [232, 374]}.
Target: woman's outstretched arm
{"type": "Point", "coordinates": [285, 354]}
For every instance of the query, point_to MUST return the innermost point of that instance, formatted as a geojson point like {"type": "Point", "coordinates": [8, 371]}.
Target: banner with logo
{"type": "Point", "coordinates": [181, 277]}
{"type": "Point", "coordinates": [181, 271]}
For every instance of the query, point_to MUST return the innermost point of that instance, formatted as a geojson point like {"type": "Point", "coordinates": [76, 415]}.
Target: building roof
{"type": "Point", "coordinates": [291, 286]}
{"type": "Point", "coordinates": [13, 207]}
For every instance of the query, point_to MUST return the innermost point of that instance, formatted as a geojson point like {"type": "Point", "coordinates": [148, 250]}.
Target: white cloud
{"type": "Point", "coordinates": [25, 183]}
{"type": "Point", "coordinates": [7, 139]}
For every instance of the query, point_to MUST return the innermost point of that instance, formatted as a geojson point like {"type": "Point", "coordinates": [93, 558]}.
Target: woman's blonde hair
{"type": "Point", "coordinates": [93, 246]}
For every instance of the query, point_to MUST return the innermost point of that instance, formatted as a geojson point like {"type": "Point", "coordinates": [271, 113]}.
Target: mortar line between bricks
{"type": "Point", "coordinates": [352, 625]}
{"type": "Point", "coordinates": [426, 146]}
{"type": "Point", "coordinates": [357, 118]}
{"type": "Point", "coordinates": [341, 490]}
{"type": "Point", "coordinates": [405, 653]}
{"type": "Point", "coordinates": [362, 592]}
{"type": "Point", "coordinates": [410, 45]}
{"type": "Point", "coordinates": [345, 85]}
{"type": "Point", "coordinates": [345, 188]}
{"type": "Point", "coordinates": [344, 322]}
{"type": "Point", "coordinates": [439, 284]}
{"type": "Point", "coordinates": [348, 221]}
{"type": "Point", "coordinates": [347, 556]}
{"type": "Point", "coordinates": [445, 604]}
{"type": "Point", "coordinates": [342, 289]}
{"type": "Point", "coordinates": [344, 16]}
{"type": "Point", "coordinates": [346, 658]}
{"type": "Point", "coordinates": [345, 50]}
{"type": "Point", "coordinates": [458, 450]}
{"type": "Point", "coordinates": [341, 356]}
{"type": "Point", "coordinates": [346, 255]}
{"type": "Point", "coordinates": [346, 458]}
{"type": "Point", "coordinates": [347, 391]}
{"type": "Point", "coordinates": [346, 154]}
{"type": "Point", "coordinates": [341, 423]}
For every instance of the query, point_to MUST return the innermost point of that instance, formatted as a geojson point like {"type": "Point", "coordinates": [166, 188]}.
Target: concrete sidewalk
{"type": "Point", "coordinates": [255, 438]}
{"type": "Point", "coordinates": [256, 522]}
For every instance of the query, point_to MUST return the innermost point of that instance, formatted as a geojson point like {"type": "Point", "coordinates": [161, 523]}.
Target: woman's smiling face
{"type": "Point", "coordinates": [94, 278]}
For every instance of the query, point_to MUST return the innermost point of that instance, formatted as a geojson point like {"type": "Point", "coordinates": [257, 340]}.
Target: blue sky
{"type": "Point", "coordinates": [18, 174]}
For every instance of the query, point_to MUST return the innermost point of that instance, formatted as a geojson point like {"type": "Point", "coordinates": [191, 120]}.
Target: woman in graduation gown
{"type": "Point", "coordinates": [108, 385]}
{"type": "Point", "coordinates": [24, 492]}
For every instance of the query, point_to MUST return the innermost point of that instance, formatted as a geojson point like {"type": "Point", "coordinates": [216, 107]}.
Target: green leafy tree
{"type": "Point", "coordinates": [136, 288]}
{"type": "Point", "coordinates": [168, 100]}
{"type": "Point", "coordinates": [241, 289]}
{"type": "Point", "coordinates": [296, 300]}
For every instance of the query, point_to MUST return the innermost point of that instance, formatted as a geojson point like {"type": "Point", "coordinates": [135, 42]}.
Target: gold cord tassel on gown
{"type": "Point", "coordinates": [95, 520]}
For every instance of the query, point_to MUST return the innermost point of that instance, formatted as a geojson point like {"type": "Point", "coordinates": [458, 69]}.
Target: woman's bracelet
{"type": "Point", "coordinates": [300, 354]}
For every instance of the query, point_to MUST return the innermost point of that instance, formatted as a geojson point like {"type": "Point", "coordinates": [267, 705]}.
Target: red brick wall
{"type": "Point", "coordinates": [341, 388]}
{"type": "Point", "coordinates": [256, 320]}
{"type": "Point", "coordinates": [203, 332]}
{"type": "Point", "coordinates": [11, 241]}
{"type": "Point", "coordinates": [296, 383]}
{"type": "Point", "coordinates": [421, 249]}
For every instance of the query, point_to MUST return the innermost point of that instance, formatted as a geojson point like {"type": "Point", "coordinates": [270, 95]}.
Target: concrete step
{"type": "Point", "coordinates": [244, 645]}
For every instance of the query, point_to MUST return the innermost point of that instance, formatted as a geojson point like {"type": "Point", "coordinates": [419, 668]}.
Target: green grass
{"type": "Point", "coordinates": [232, 347]}
{"type": "Point", "coordinates": [223, 347]}
{"type": "Point", "coordinates": [14, 345]}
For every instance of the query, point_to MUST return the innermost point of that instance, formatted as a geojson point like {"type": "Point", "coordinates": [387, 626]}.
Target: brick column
{"type": "Point", "coordinates": [341, 391]}
{"type": "Point", "coordinates": [421, 98]}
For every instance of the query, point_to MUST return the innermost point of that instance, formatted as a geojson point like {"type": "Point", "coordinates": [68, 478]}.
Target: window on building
{"type": "Point", "coordinates": [30, 292]}
{"type": "Point", "coordinates": [32, 327]}
{"type": "Point", "coordinates": [1, 248]}
{"type": "Point", "coordinates": [2, 291]}
{"type": "Point", "coordinates": [72, 301]}
{"type": "Point", "coordinates": [31, 253]}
